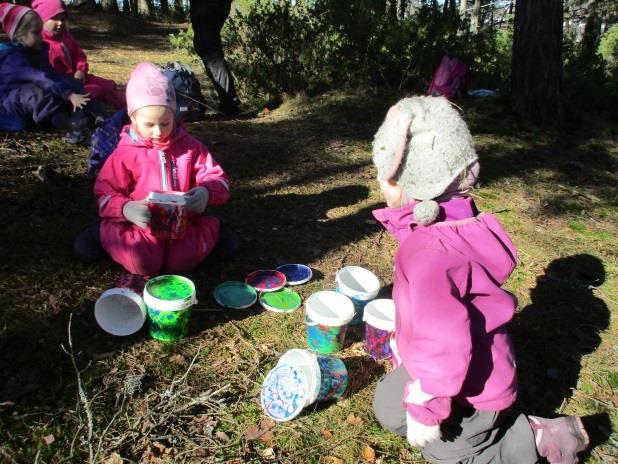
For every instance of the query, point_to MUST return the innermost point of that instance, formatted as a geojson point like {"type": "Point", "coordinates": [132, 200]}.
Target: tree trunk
{"type": "Point", "coordinates": [463, 4]}
{"type": "Point", "coordinates": [402, 8]}
{"type": "Point", "coordinates": [475, 20]}
{"type": "Point", "coordinates": [165, 8]}
{"type": "Point", "coordinates": [592, 30]}
{"type": "Point", "coordinates": [110, 6]}
{"type": "Point", "coordinates": [179, 9]}
{"type": "Point", "coordinates": [392, 10]}
{"type": "Point", "coordinates": [126, 7]}
{"type": "Point", "coordinates": [537, 60]}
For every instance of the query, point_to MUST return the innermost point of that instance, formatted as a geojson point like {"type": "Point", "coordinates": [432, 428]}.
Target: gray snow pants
{"type": "Point", "coordinates": [469, 436]}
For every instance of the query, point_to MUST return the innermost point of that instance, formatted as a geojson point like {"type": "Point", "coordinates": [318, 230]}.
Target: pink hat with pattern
{"type": "Point", "coordinates": [10, 16]}
{"type": "Point", "coordinates": [47, 9]}
{"type": "Point", "coordinates": [148, 86]}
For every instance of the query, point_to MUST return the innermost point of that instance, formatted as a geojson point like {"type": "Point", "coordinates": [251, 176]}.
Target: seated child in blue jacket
{"type": "Point", "coordinates": [30, 89]}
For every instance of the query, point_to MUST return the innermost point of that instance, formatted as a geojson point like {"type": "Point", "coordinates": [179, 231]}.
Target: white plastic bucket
{"type": "Point", "coordinates": [307, 361]}
{"type": "Point", "coordinates": [120, 311]}
{"type": "Point", "coordinates": [379, 317]}
{"type": "Point", "coordinates": [360, 285]}
{"type": "Point", "coordinates": [327, 318]}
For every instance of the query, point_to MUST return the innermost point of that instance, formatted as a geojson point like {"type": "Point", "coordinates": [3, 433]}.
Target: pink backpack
{"type": "Point", "coordinates": [450, 78]}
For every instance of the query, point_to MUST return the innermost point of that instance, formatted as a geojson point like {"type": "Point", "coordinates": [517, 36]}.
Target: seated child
{"type": "Point", "coordinates": [454, 372]}
{"type": "Point", "coordinates": [66, 56]}
{"type": "Point", "coordinates": [154, 154]}
{"type": "Point", "coordinates": [30, 89]}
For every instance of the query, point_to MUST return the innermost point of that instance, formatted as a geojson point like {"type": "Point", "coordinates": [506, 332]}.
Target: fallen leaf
{"type": "Point", "coordinates": [49, 439]}
{"type": "Point", "coordinates": [267, 436]}
{"type": "Point", "coordinates": [222, 436]}
{"type": "Point", "coordinates": [178, 359]}
{"type": "Point", "coordinates": [326, 434]}
{"type": "Point", "coordinates": [369, 454]}
{"type": "Point", "coordinates": [268, 453]}
{"type": "Point", "coordinates": [113, 459]}
{"type": "Point", "coordinates": [331, 460]}
{"type": "Point", "coordinates": [354, 420]}
{"type": "Point", "coordinates": [253, 432]}
{"type": "Point", "coordinates": [159, 446]}
{"type": "Point", "coordinates": [267, 424]}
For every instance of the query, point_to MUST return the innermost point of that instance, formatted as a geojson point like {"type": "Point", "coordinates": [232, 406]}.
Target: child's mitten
{"type": "Point", "coordinates": [420, 434]}
{"type": "Point", "coordinates": [197, 199]}
{"type": "Point", "coordinates": [137, 212]}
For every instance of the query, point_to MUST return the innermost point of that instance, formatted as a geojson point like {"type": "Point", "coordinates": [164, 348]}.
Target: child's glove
{"type": "Point", "coordinates": [137, 212]}
{"type": "Point", "coordinates": [420, 434]}
{"type": "Point", "coordinates": [197, 199]}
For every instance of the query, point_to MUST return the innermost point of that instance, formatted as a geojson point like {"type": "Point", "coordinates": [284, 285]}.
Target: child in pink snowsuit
{"type": "Point", "coordinates": [454, 362]}
{"type": "Point", "coordinates": [67, 57]}
{"type": "Point", "coordinates": [154, 153]}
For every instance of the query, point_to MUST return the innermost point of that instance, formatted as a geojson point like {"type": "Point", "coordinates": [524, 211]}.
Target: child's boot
{"type": "Point", "coordinates": [87, 245]}
{"type": "Point", "coordinates": [559, 440]}
{"type": "Point", "coordinates": [78, 128]}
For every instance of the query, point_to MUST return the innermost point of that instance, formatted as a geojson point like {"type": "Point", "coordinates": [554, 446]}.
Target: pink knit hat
{"type": "Point", "coordinates": [148, 86]}
{"type": "Point", "coordinates": [47, 9]}
{"type": "Point", "coordinates": [11, 15]}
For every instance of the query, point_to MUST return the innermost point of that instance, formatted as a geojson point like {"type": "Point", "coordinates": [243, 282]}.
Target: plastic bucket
{"type": "Point", "coordinates": [307, 361]}
{"type": "Point", "coordinates": [169, 299]}
{"type": "Point", "coordinates": [120, 311]}
{"type": "Point", "coordinates": [360, 285]}
{"type": "Point", "coordinates": [327, 318]}
{"type": "Point", "coordinates": [379, 317]}
{"type": "Point", "coordinates": [333, 378]}
{"type": "Point", "coordinates": [300, 378]}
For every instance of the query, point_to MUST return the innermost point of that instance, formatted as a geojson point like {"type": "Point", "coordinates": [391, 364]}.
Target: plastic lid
{"type": "Point", "coordinates": [266, 280]}
{"type": "Point", "coordinates": [358, 282]}
{"type": "Point", "coordinates": [284, 391]}
{"type": "Point", "coordinates": [380, 314]}
{"type": "Point", "coordinates": [120, 311]}
{"type": "Point", "coordinates": [235, 295]}
{"type": "Point", "coordinates": [281, 301]}
{"type": "Point", "coordinates": [296, 274]}
{"type": "Point", "coordinates": [329, 308]}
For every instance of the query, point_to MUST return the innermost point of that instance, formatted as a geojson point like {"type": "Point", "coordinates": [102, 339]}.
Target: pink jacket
{"type": "Point", "coordinates": [451, 313]}
{"type": "Point", "coordinates": [136, 168]}
{"type": "Point", "coordinates": [65, 54]}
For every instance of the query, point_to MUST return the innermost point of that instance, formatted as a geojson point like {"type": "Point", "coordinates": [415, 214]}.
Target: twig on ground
{"type": "Point", "coordinates": [82, 393]}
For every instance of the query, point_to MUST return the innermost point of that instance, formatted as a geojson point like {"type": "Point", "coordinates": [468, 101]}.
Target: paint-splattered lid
{"type": "Point", "coordinates": [296, 274]}
{"type": "Point", "coordinates": [281, 301]}
{"type": "Point", "coordinates": [284, 391]}
{"type": "Point", "coordinates": [266, 280]}
{"type": "Point", "coordinates": [235, 295]}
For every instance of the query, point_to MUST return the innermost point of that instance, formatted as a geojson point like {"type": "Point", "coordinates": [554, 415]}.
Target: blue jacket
{"type": "Point", "coordinates": [20, 66]}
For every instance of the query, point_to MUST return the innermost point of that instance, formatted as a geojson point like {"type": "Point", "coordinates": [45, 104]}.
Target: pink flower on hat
{"type": "Point", "coordinates": [10, 16]}
{"type": "Point", "coordinates": [47, 9]}
{"type": "Point", "coordinates": [148, 86]}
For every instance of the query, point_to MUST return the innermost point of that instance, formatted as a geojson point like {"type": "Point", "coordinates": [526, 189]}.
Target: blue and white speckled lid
{"type": "Point", "coordinates": [284, 391]}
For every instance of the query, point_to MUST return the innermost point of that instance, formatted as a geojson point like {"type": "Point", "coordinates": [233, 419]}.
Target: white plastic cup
{"type": "Point", "coordinates": [379, 317]}
{"type": "Point", "coordinates": [327, 318]}
{"type": "Point", "coordinates": [360, 285]}
{"type": "Point", "coordinates": [120, 311]}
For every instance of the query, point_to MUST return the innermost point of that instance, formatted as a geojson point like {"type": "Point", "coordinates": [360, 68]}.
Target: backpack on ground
{"type": "Point", "coordinates": [105, 139]}
{"type": "Point", "coordinates": [450, 78]}
{"type": "Point", "coordinates": [190, 104]}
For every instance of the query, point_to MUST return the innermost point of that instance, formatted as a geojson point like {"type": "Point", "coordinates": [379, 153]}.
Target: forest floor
{"type": "Point", "coordinates": [303, 191]}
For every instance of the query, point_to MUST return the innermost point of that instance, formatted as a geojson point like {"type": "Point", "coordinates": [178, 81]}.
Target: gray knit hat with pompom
{"type": "Point", "coordinates": [424, 145]}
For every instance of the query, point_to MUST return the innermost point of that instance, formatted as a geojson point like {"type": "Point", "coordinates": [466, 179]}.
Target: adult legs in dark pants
{"type": "Point", "coordinates": [207, 19]}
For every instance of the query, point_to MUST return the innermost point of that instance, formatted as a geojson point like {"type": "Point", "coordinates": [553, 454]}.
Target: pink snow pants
{"type": "Point", "coordinates": [140, 252]}
{"type": "Point", "coordinates": [105, 90]}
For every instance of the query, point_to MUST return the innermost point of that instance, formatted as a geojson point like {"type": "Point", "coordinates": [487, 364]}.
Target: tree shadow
{"type": "Point", "coordinates": [552, 334]}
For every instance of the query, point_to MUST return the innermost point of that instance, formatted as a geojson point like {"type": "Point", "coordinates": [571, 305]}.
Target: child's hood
{"type": "Point", "coordinates": [460, 230]}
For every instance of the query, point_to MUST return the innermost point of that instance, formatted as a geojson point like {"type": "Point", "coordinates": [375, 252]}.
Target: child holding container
{"type": "Point", "coordinates": [30, 90]}
{"type": "Point", "coordinates": [454, 372]}
{"type": "Point", "coordinates": [155, 154]}
{"type": "Point", "coordinates": [66, 56]}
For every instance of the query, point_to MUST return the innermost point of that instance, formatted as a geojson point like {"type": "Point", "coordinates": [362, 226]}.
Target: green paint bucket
{"type": "Point", "coordinates": [169, 299]}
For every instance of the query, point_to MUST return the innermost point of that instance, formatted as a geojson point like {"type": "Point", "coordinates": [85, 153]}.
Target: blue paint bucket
{"type": "Point", "coordinates": [327, 318]}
